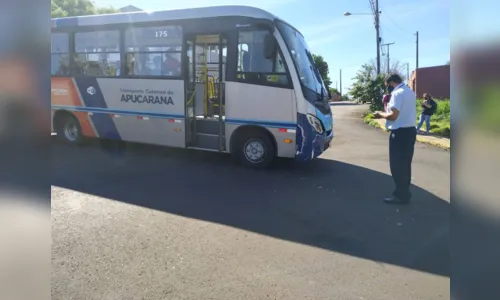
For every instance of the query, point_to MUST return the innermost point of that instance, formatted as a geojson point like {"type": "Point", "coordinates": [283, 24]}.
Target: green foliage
{"type": "Point", "coordinates": [368, 117]}
{"type": "Point", "coordinates": [71, 8]}
{"type": "Point", "coordinates": [106, 10]}
{"type": "Point", "coordinates": [322, 66]}
{"type": "Point", "coordinates": [368, 87]}
{"type": "Point", "coordinates": [370, 120]}
{"type": "Point", "coordinates": [444, 130]}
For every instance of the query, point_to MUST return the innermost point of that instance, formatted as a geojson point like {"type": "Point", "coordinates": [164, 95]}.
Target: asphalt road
{"type": "Point", "coordinates": [157, 223]}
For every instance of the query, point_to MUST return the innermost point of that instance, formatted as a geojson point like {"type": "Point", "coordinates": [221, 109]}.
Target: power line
{"type": "Point", "coordinates": [397, 25]}
{"type": "Point", "coordinates": [416, 41]}
{"type": "Point", "coordinates": [400, 27]}
{"type": "Point", "coordinates": [398, 34]}
{"type": "Point", "coordinates": [372, 6]}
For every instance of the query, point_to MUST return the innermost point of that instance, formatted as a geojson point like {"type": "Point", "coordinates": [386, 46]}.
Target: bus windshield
{"type": "Point", "coordinates": [310, 77]}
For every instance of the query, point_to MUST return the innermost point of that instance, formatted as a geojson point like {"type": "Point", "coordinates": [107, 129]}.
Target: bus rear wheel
{"type": "Point", "coordinates": [255, 150]}
{"type": "Point", "coordinates": [69, 130]}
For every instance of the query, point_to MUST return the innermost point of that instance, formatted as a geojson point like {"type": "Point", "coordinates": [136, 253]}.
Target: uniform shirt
{"type": "Point", "coordinates": [404, 100]}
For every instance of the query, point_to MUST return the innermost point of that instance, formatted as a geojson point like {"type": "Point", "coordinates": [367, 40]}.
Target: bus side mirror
{"type": "Point", "coordinates": [269, 46]}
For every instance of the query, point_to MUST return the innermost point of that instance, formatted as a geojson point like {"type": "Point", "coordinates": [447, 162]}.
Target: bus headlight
{"type": "Point", "coordinates": [315, 123]}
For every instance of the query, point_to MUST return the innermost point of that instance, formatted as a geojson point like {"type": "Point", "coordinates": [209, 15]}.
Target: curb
{"type": "Point", "coordinates": [376, 124]}
{"type": "Point", "coordinates": [433, 143]}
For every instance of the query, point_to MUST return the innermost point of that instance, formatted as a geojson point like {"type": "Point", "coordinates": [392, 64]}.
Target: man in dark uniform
{"type": "Point", "coordinates": [401, 114]}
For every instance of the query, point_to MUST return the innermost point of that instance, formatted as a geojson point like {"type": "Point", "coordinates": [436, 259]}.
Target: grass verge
{"type": "Point", "coordinates": [434, 141]}
{"type": "Point", "coordinates": [370, 120]}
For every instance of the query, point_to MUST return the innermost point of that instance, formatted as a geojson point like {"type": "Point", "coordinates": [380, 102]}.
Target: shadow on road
{"type": "Point", "coordinates": [326, 204]}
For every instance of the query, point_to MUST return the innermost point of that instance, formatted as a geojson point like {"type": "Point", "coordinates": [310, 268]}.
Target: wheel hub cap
{"type": "Point", "coordinates": [254, 151]}
{"type": "Point", "coordinates": [71, 132]}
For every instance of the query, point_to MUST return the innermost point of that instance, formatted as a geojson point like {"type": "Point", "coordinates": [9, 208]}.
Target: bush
{"type": "Point", "coordinates": [443, 108]}
{"type": "Point", "coordinates": [370, 120]}
{"type": "Point", "coordinates": [444, 130]}
{"type": "Point", "coordinates": [368, 117]}
{"type": "Point", "coordinates": [368, 87]}
{"type": "Point", "coordinates": [435, 125]}
{"type": "Point", "coordinates": [373, 123]}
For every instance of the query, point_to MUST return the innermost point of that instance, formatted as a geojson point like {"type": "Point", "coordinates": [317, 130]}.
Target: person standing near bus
{"type": "Point", "coordinates": [400, 118]}
{"type": "Point", "coordinates": [428, 109]}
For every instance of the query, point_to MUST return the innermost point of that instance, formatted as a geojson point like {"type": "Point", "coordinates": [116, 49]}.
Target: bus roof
{"type": "Point", "coordinates": [164, 15]}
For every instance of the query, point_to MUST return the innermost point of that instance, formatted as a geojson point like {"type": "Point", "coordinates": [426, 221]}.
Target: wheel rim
{"type": "Point", "coordinates": [71, 132]}
{"type": "Point", "coordinates": [254, 150]}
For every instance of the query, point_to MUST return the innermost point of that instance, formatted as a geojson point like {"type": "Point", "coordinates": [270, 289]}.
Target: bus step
{"type": "Point", "coordinates": [207, 141]}
{"type": "Point", "coordinates": [207, 126]}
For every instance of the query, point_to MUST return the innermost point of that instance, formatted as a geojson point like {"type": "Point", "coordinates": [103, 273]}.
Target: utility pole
{"type": "Point", "coordinates": [388, 57]}
{"type": "Point", "coordinates": [377, 29]}
{"type": "Point", "coordinates": [376, 16]}
{"type": "Point", "coordinates": [408, 73]}
{"type": "Point", "coordinates": [340, 79]}
{"type": "Point", "coordinates": [416, 65]}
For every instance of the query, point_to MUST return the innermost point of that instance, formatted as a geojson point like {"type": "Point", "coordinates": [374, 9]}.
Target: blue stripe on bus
{"type": "Point", "coordinates": [92, 97]}
{"type": "Point", "coordinates": [118, 111]}
{"type": "Point", "coordinates": [269, 124]}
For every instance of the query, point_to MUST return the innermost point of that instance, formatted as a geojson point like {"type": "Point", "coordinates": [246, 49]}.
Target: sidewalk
{"type": "Point", "coordinates": [438, 141]}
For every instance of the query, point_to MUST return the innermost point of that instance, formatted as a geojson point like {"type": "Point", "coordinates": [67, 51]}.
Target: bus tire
{"type": "Point", "coordinates": [255, 150]}
{"type": "Point", "coordinates": [68, 129]}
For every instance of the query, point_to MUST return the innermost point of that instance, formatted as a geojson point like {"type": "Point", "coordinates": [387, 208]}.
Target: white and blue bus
{"type": "Point", "coordinates": [231, 79]}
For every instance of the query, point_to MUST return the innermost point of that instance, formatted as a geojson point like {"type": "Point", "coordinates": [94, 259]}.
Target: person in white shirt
{"type": "Point", "coordinates": [400, 115]}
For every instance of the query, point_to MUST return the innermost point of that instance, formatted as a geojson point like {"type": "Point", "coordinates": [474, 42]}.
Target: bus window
{"type": "Point", "coordinates": [97, 53]}
{"type": "Point", "coordinates": [59, 54]}
{"type": "Point", "coordinates": [302, 58]}
{"type": "Point", "coordinates": [253, 66]}
{"type": "Point", "coordinates": [153, 51]}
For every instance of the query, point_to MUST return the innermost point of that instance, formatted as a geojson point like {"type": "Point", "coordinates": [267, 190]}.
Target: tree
{"type": "Point", "coordinates": [106, 10]}
{"type": "Point", "coordinates": [396, 67]}
{"type": "Point", "coordinates": [368, 86]}
{"type": "Point", "coordinates": [71, 8]}
{"type": "Point", "coordinates": [322, 66]}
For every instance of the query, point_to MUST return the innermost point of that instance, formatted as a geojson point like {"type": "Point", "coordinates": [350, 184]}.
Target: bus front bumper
{"type": "Point", "coordinates": [313, 145]}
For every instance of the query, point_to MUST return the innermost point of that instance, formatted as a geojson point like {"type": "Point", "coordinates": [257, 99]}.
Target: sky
{"type": "Point", "coordinates": [346, 43]}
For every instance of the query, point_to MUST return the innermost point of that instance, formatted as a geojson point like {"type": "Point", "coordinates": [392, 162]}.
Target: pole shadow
{"type": "Point", "coordinates": [324, 203]}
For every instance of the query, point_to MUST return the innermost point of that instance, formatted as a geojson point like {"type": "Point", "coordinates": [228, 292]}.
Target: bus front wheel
{"type": "Point", "coordinates": [255, 150]}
